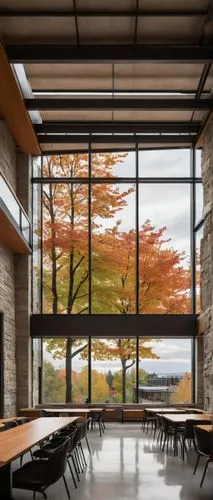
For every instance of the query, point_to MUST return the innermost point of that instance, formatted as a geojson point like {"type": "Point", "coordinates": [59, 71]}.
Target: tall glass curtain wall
{"type": "Point", "coordinates": [114, 233]}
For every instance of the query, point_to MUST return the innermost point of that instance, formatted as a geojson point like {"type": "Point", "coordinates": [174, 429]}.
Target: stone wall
{"type": "Point", "coordinates": [207, 267]}
{"type": "Point", "coordinates": [7, 281]}
{"type": "Point", "coordinates": [22, 293]}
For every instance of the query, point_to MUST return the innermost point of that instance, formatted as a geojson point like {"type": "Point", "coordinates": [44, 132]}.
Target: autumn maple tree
{"type": "Point", "coordinates": [65, 239]}
{"type": "Point", "coordinates": [163, 274]}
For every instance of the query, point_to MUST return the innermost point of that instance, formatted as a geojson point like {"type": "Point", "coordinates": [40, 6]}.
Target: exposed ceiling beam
{"type": "Point", "coordinates": [137, 92]}
{"type": "Point", "coordinates": [119, 104]}
{"type": "Point", "coordinates": [13, 111]}
{"type": "Point", "coordinates": [108, 53]}
{"type": "Point", "coordinates": [101, 13]}
{"type": "Point", "coordinates": [113, 139]}
{"type": "Point", "coordinates": [125, 127]}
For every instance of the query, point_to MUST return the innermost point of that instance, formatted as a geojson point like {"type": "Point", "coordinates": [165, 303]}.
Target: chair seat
{"type": "Point", "coordinates": [32, 473]}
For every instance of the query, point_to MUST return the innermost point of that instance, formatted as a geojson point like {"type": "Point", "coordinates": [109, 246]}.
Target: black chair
{"type": "Point", "coordinates": [10, 424]}
{"type": "Point", "coordinates": [22, 420]}
{"type": "Point", "coordinates": [38, 475]}
{"type": "Point", "coordinates": [80, 428]}
{"type": "Point", "coordinates": [204, 448]}
{"type": "Point", "coordinates": [45, 451]}
{"type": "Point", "coordinates": [98, 417]}
{"type": "Point", "coordinates": [170, 434]}
{"type": "Point", "coordinates": [188, 435]}
{"type": "Point", "coordinates": [46, 413]}
{"type": "Point", "coordinates": [147, 420]}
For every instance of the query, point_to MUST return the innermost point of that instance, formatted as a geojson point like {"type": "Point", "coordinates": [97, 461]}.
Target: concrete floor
{"type": "Point", "coordinates": [125, 465]}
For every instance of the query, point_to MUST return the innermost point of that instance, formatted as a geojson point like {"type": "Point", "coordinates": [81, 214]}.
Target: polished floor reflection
{"type": "Point", "coordinates": [125, 464]}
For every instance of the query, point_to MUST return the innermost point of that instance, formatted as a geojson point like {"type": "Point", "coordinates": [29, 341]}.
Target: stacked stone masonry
{"type": "Point", "coordinates": [15, 287]}
{"type": "Point", "coordinates": [207, 269]}
{"type": "Point", "coordinates": [7, 281]}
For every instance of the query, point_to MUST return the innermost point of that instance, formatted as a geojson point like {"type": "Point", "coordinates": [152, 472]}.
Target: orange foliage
{"type": "Point", "coordinates": [183, 391]}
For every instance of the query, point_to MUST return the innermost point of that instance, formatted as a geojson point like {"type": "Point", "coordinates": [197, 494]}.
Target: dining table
{"type": "Point", "coordinates": [80, 412]}
{"type": "Point", "coordinates": [179, 419]}
{"type": "Point", "coordinates": [205, 427]}
{"type": "Point", "coordinates": [19, 440]}
{"type": "Point", "coordinates": [165, 410]}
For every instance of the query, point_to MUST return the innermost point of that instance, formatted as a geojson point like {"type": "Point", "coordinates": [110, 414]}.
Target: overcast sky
{"type": "Point", "coordinates": [175, 357]}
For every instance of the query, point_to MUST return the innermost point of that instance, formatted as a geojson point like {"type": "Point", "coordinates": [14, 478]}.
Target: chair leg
{"type": "Point", "coordinates": [43, 493]}
{"type": "Point", "coordinates": [197, 462]}
{"type": "Point", "coordinates": [204, 472]}
{"type": "Point", "coordinates": [75, 467]}
{"type": "Point", "coordinates": [71, 472]}
{"type": "Point", "coordinates": [65, 484]}
{"type": "Point", "coordinates": [34, 494]}
{"type": "Point", "coordinates": [82, 452]}
{"type": "Point", "coordinates": [88, 446]}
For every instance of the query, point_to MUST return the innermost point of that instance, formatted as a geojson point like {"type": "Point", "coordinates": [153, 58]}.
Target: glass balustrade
{"type": "Point", "coordinates": [9, 199]}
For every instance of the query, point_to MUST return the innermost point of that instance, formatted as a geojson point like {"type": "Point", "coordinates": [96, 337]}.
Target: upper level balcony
{"type": "Point", "coordinates": [15, 228]}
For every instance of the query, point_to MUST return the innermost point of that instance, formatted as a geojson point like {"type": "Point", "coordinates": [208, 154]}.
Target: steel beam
{"type": "Point", "coordinates": [116, 139]}
{"type": "Point", "coordinates": [4, 13]}
{"type": "Point", "coordinates": [101, 92]}
{"type": "Point", "coordinates": [153, 104]}
{"type": "Point", "coordinates": [116, 127]}
{"type": "Point", "coordinates": [23, 53]}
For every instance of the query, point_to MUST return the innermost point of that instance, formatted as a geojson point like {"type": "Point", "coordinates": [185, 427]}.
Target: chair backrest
{"type": "Point", "coordinates": [10, 424]}
{"type": "Point", "coordinates": [45, 413]}
{"type": "Point", "coordinates": [78, 435]}
{"type": "Point", "coordinates": [202, 441]}
{"type": "Point", "coordinates": [22, 420]}
{"type": "Point", "coordinates": [56, 464]}
{"type": "Point", "coordinates": [189, 427]}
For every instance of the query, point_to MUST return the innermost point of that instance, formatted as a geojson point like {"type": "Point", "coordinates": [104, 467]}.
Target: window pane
{"type": "Point", "coordinates": [36, 166]}
{"type": "Point", "coordinates": [113, 370]}
{"type": "Point", "coordinates": [113, 164]}
{"type": "Point", "coordinates": [65, 370]}
{"type": "Point", "coordinates": [36, 257]}
{"type": "Point", "coordinates": [165, 374]}
{"type": "Point", "coordinates": [36, 369]}
{"type": "Point", "coordinates": [164, 163]}
{"type": "Point", "coordinates": [164, 248]}
{"type": "Point", "coordinates": [113, 248]}
{"type": "Point", "coordinates": [198, 162]}
{"type": "Point", "coordinates": [65, 248]}
{"type": "Point", "coordinates": [199, 202]}
{"type": "Point", "coordinates": [199, 236]}
{"type": "Point", "coordinates": [68, 166]}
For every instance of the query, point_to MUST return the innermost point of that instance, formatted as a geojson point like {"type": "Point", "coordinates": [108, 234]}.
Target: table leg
{"type": "Point", "coordinates": [6, 482]}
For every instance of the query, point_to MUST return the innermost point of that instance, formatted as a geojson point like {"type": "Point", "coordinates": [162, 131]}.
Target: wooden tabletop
{"type": "Point", "coordinates": [207, 428]}
{"type": "Point", "coordinates": [74, 411]}
{"type": "Point", "coordinates": [183, 417]}
{"type": "Point", "coordinates": [164, 410]}
{"type": "Point", "coordinates": [192, 410]}
{"type": "Point", "coordinates": [20, 439]}
{"type": "Point", "coordinates": [8, 419]}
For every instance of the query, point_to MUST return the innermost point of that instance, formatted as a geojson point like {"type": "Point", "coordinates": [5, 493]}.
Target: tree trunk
{"type": "Point", "coordinates": [123, 362]}
{"type": "Point", "coordinates": [69, 371]}
{"type": "Point", "coordinates": [53, 251]}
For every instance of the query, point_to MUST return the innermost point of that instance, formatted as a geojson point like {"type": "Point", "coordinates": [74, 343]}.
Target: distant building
{"type": "Point", "coordinates": [155, 393]}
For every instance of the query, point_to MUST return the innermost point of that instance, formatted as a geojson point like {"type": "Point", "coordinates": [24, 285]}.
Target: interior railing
{"type": "Point", "coordinates": [14, 207]}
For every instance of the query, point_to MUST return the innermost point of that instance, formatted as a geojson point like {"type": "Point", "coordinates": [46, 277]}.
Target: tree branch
{"type": "Point", "coordinates": [79, 350]}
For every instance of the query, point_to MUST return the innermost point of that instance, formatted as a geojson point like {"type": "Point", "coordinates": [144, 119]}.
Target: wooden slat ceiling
{"type": "Point", "coordinates": [43, 23]}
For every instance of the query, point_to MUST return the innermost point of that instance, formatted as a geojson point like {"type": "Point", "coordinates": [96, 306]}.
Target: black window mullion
{"type": "Point", "coordinates": [192, 232]}
{"type": "Point", "coordinates": [90, 271]}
